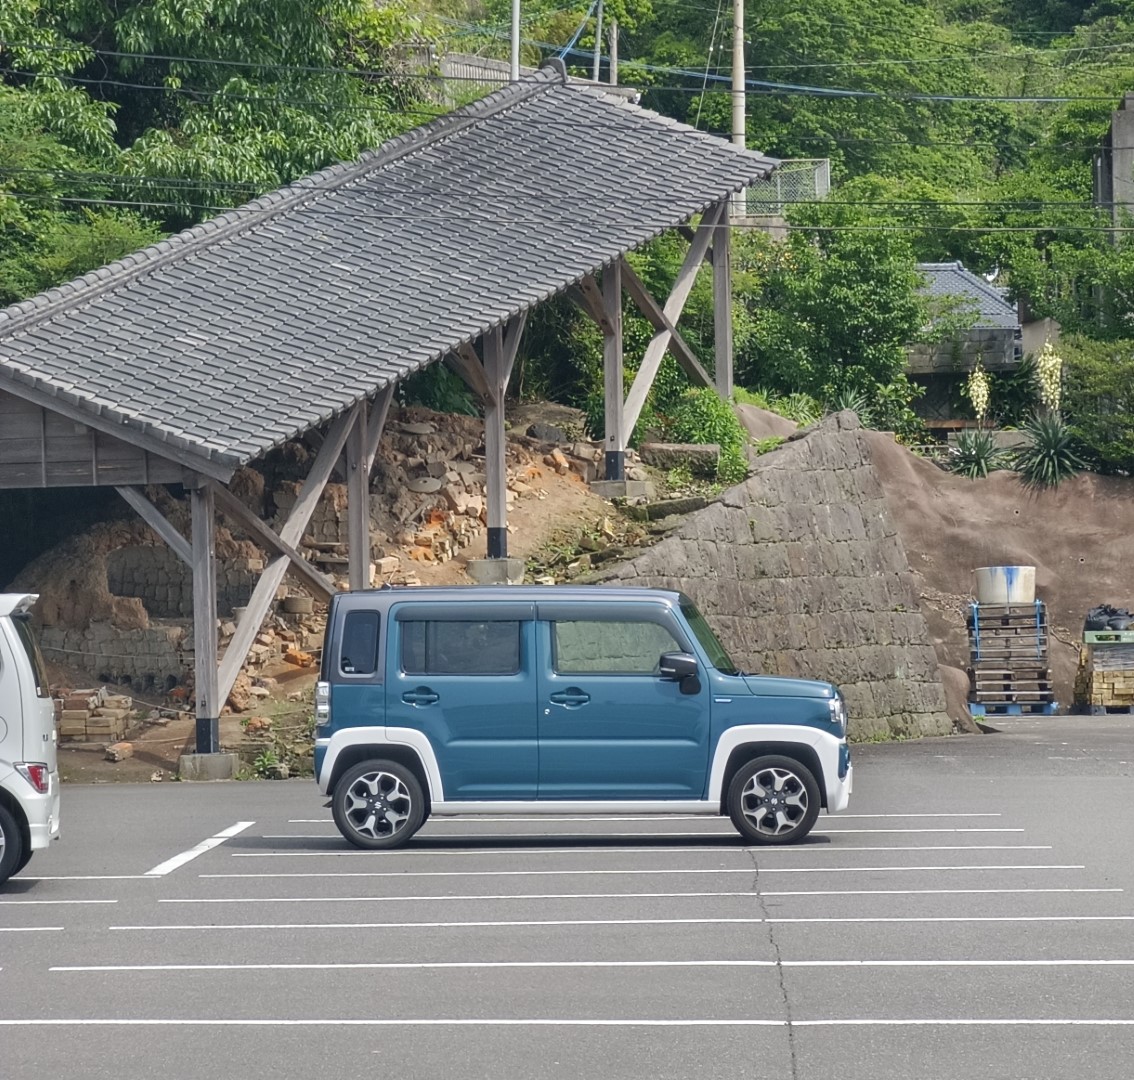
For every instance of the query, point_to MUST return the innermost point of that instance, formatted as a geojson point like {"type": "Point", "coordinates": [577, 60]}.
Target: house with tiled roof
{"type": "Point", "coordinates": [990, 332]}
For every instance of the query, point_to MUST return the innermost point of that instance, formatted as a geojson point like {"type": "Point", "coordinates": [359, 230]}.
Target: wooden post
{"type": "Point", "coordinates": [496, 485]}
{"type": "Point", "coordinates": [722, 307]}
{"type": "Point", "coordinates": [206, 675]}
{"type": "Point", "coordinates": [358, 503]}
{"type": "Point", "coordinates": [616, 433]}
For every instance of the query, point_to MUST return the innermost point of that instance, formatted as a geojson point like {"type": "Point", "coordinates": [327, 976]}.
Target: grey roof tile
{"type": "Point", "coordinates": [273, 317]}
{"type": "Point", "coordinates": [991, 304]}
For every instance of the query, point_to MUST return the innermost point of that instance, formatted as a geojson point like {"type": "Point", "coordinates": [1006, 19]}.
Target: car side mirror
{"type": "Point", "coordinates": [680, 667]}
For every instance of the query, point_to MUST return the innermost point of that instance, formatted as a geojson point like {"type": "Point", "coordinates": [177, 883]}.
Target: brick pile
{"type": "Point", "coordinates": [93, 715]}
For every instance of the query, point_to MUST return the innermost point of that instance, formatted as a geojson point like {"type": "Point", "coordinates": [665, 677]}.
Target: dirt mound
{"type": "Point", "coordinates": [1079, 537]}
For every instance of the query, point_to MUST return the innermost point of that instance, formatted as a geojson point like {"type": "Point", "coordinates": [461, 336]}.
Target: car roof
{"type": "Point", "coordinates": [513, 593]}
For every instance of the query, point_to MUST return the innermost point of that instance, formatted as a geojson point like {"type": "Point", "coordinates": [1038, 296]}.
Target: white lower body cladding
{"type": "Point", "coordinates": [825, 745]}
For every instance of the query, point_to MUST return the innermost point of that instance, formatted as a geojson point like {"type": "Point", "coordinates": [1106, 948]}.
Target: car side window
{"type": "Point", "coordinates": [435, 647]}
{"type": "Point", "coordinates": [359, 652]}
{"type": "Point", "coordinates": [612, 648]}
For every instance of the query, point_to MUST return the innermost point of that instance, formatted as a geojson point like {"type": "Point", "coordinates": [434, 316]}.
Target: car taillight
{"type": "Point", "coordinates": [36, 774]}
{"type": "Point", "coordinates": [322, 703]}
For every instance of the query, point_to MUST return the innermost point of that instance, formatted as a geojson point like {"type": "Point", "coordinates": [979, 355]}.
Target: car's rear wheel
{"type": "Point", "coordinates": [773, 800]}
{"type": "Point", "coordinates": [378, 805]}
{"type": "Point", "coordinates": [11, 846]}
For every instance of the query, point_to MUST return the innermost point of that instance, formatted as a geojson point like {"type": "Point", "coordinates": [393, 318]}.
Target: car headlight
{"type": "Point", "coordinates": [838, 713]}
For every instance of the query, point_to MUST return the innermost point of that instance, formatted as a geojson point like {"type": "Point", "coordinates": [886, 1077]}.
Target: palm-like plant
{"type": "Point", "coordinates": [975, 454]}
{"type": "Point", "coordinates": [1050, 458]}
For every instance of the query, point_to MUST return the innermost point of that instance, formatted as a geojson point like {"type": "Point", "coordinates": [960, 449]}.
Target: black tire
{"type": "Point", "coordinates": [773, 800]}
{"type": "Point", "coordinates": [378, 805]}
{"type": "Point", "coordinates": [11, 846]}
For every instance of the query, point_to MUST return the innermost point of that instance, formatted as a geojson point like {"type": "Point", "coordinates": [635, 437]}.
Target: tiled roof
{"type": "Point", "coordinates": [238, 334]}
{"type": "Point", "coordinates": [991, 304]}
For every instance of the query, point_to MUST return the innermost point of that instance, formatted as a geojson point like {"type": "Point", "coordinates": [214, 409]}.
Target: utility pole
{"type": "Point", "coordinates": [738, 104]}
{"type": "Point", "coordinates": [598, 43]}
{"type": "Point", "coordinates": [613, 52]}
{"type": "Point", "coordinates": [514, 73]}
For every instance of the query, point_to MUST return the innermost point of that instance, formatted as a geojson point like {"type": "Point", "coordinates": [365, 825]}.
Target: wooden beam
{"type": "Point", "coordinates": [205, 673]}
{"type": "Point", "coordinates": [588, 297]}
{"type": "Point", "coordinates": [358, 503]}
{"type": "Point", "coordinates": [198, 463]}
{"type": "Point", "coordinates": [496, 371]}
{"type": "Point", "coordinates": [722, 307]}
{"type": "Point", "coordinates": [676, 344]}
{"type": "Point", "coordinates": [672, 308]}
{"type": "Point", "coordinates": [240, 515]}
{"type": "Point", "coordinates": [376, 424]}
{"type": "Point", "coordinates": [465, 362]}
{"type": "Point", "coordinates": [291, 534]}
{"type": "Point", "coordinates": [689, 234]}
{"type": "Point", "coordinates": [157, 521]}
{"type": "Point", "coordinates": [616, 434]}
{"type": "Point", "coordinates": [513, 331]}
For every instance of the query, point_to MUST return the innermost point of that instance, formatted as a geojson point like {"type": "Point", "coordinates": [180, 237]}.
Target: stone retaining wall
{"type": "Point", "coordinates": [801, 572]}
{"type": "Point", "coordinates": [156, 657]}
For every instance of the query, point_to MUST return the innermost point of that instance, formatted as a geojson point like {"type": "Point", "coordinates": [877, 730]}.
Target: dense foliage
{"type": "Point", "coordinates": [956, 129]}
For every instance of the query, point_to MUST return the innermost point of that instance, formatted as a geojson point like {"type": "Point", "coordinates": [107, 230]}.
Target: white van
{"type": "Point", "coordinates": [29, 771]}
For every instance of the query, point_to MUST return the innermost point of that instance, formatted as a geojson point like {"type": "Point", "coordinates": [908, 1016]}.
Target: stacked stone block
{"type": "Point", "coordinates": [801, 572]}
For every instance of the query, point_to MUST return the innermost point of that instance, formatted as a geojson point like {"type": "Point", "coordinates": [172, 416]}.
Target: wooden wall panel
{"type": "Point", "coordinates": [39, 448]}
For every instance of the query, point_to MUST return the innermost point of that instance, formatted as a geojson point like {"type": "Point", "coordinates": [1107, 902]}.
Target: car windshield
{"type": "Point", "coordinates": [39, 669]}
{"type": "Point", "coordinates": [718, 657]}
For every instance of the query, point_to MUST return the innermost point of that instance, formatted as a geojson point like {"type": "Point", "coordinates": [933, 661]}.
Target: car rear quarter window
{"type": "Point", "coordinates": [359, 652]}
{"type": "Point", "coordinates": [35, 658]}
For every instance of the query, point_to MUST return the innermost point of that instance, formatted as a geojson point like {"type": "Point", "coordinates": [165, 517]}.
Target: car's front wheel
{"type": "Point", "coordinates": [11, 846]}
{"type": "Point", "coordinates": [773, 800]}
{"type": "Point", "coordinates": [378, 805]}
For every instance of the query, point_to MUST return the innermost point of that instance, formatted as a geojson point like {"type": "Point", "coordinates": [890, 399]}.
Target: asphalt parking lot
{"type": "Point", "coordinates": [970, 916]}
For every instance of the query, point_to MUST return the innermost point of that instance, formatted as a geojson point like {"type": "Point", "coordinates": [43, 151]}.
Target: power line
{"type": "Point", "coordinates": [762, 85]}
{"type": "Point", "coordinates": [489, 217]}
{"type": "Point", "coordinates": [432, 191]}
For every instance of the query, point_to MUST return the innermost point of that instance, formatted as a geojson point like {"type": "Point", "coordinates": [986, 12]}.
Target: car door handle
{"type": "Point", "coordinates": [572, 698]}
{"type": "Point", "coordinates": [421, 696]}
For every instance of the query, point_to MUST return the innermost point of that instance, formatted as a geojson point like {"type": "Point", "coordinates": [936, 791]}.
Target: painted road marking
{"type": "Point", "coordinates": [16, 903]}
{"type": "Point", "coordinates": [205, 845]}
{"type": "Point", "coordinates": [630, 922]}
{"type": "Point", "coordinates": [464, 899]}
{"type": "Point", "coordinates": [382, 1022]}
{"type": "Point", "coordinates": [495, 965]}
{"type": "Point", "coordinates": [493, 819]}
{"type": "Point", "coordinates": [601, 850]}
{"type": "Point", "coordinates": [583, 873]}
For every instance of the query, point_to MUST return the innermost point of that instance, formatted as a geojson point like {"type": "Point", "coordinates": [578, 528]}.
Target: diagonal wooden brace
{"type": "Point", "coordinates": [291, 533]}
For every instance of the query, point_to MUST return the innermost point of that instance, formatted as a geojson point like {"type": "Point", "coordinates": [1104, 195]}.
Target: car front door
{"type": "Point", "coordinates": [609, 726]}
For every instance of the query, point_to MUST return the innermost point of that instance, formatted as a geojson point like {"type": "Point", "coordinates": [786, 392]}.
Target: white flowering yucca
{"type": "Point", "coordinates": [979, 390]}
{"type": "Point", "coordinates": [1049, 376]}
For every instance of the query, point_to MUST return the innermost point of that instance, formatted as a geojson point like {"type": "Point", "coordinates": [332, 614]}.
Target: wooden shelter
{"type": "Point", "coordinates": [303, 309]}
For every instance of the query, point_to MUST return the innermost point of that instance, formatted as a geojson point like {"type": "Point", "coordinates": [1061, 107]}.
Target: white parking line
{"type": "Point", "coordinates": [464, 899]}
{"type": "Point", "coordinates": [16, 903]}
{"type": "Point", "coordinates": [88, 877]}
{"type": "Point", "coordinates": [490, 1022]}
{"type": "Point", "coordinates": [928, 892]}
{"type": "Point", "coordinates": [628, 922]}
{"type": "Point", "coordinates": [27, 929]}
{"type": "Point", "coordinates": [205, 845]}
{"type": "Point", "coordinates": [497, 965]}
{"type": "Point", "coordinates": [586, 873]}
{"type": "Point", "coordinates": [803, 849]}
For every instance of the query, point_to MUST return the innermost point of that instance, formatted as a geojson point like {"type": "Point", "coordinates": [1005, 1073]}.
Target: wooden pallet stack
{"type": "Point", "coordinates": [1105, 681]}
{"type": "Point", "coordinates": [1008, 659]}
